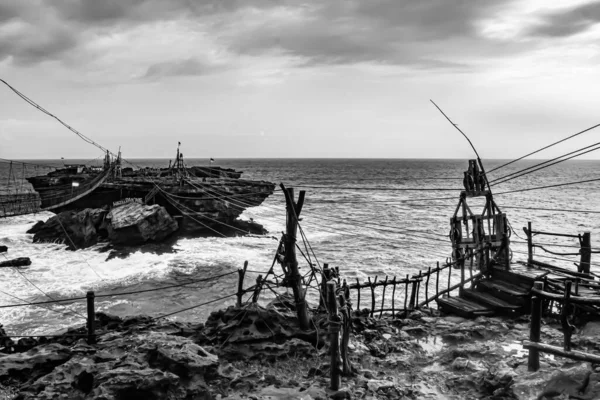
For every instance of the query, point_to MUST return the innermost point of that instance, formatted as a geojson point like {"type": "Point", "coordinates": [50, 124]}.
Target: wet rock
{"type": "Point", "coordinates": [16, 262]}
{"type": "Point", "coordinates": [35, 362]}
{"type": "Point", "coordinates": [591, 330]}
{"type": "Point", "coordinates": [75, 229]}
{"type": "Point", "coordinates": [135, 223]}
{"type": "Point", "coordinates": [151, 365]}
{"type": "Point", "coordinates": [570, 383]}
{"type": "Point", "coordinates": [374, 385]}
{"type": "Point", "coordinates": [36, 227]}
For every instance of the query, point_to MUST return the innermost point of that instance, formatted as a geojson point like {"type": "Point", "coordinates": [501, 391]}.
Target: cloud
{"type": "Point", "coordinates": [569, 22]}
{"type": "Point", "coordinates": [428, 34]}
{"type": "Point", "coordinates": [189, 67]}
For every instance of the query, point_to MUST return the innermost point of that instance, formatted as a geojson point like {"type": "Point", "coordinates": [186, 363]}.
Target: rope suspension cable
{"type": "Point", "coordinates": [549, 186]}
{"type": "Point", "coordinates": [543, 148]}
{"type": "Point", "coordinates": [40, 108]}
{"type": "Point", "coordinates": [37, 287]}
{"type": "Point", "coordinates": [554, 161]}
{"type": "Point", "coordinates": [75, 247]}
{"type": "Point", "coordinates": [196, 306]}
{"type": "Point", "coordinates": [193, 282]}
{"type": "Point", "coordinates": [41, 306]}
{"type": "Point", "coordinates": [554, 258]}
{"type": "Point", "coordinates": [345, 220]}
{"type": "Point", "coordinates": [6, 161]}
{"type": "Point", "coordinates": [211, 219]}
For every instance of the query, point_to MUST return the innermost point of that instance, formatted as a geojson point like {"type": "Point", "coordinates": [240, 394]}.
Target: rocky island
{"type": "Point", "coordinates": [127, 206]}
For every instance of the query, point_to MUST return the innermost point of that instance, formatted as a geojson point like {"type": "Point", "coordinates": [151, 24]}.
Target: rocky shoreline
{"type": "Point", "coordinates": [260, 353]}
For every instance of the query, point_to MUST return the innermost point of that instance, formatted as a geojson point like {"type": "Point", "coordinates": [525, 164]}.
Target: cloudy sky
{"type": "Point", "coordinates": [266, 78]}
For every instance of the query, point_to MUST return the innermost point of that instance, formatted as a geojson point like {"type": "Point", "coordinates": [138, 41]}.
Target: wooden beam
{"type": "Point", "coordinates": [557, 351]}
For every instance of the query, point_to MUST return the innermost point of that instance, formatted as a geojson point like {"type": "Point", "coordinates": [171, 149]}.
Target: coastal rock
{"type": "Point", "coordinates": [76, 229]}
{"type": "Point", "coordinates": [151, 365]}
{"type": "Point", "coordinates": [135, 223]}
{"type": "Point", "coordinates": [37, 361]}
{"type": "Point", "coordinates": [16, 262]}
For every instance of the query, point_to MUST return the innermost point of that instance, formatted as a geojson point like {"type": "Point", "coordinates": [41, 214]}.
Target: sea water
{"type": "Point", "coordinates": [359, 215]}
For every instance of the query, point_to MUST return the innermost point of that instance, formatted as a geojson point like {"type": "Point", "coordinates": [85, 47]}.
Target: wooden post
{"type": "Point", "coordinates": [240, 292]}
{"type": "Point", "coordinates": [324, 279]}
{"type": "Point", "coordinates": [334, 330]}
{"type": "Point", "coordinates": [418, 289]}
{"type": "Point", "coordinates": [394, 298]}
{"type": "Point", "coordinates": [372, 286]}
{"type": "Point", "coordinates": [257, 289]}
{"type": "Point", "coordinates": [293, 212]}
{"type": "Point", "coordinates": [413, 294]}
{"type": "Point", "coordinates": [383, 296]}
{"type": "Point", "coordinates": [347, 322]}
{"type": "Point", "coordinates": [535, 327]}
{"type": "Point", "coordinates": [529, 243]}
{"type": "Point", "coordinates": [586, 253]}
{"type": "Point", "coordinates": [91, 318]}
{"type": "Point", "coordinates": [449, 275]}
{"type": "Point", "coordinates": [437, 279]}
{"type": "Point", "coordinates": [406, 293]}
{"type": "Point", "coordinates": [358, 296]}
{"type": "Point", "coordinates": [564, 315]}
{"type": "Point", "coordinates": [427, 284]}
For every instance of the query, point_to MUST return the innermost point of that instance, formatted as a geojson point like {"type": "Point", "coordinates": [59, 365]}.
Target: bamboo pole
{"type": "Point", "coordinates": [383, 296]}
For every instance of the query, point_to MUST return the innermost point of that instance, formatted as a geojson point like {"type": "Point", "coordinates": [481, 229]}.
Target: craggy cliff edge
{"type": "Point", "coordinates": [258, 353]}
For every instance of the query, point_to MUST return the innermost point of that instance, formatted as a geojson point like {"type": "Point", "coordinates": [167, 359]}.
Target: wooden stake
{"type": "Point", "coordinates": [257, 289]}
{"type": "Point", "coordinates": [394, 298]}
{"type": "Point", "coordinates": [567, 328]}
{"type": "Point", "coordinates": [372, 286]}
{"type": "Point", "coordinates": [241, 274]}
{"type": "Point", "coordinates": [535, 328]}
{"type": "Point", "coordinates": [383, 296]}
{"type": "Point", "coordinates": [427, 283]}
{"type": "Point", "coordinates": [346, 367]}
{"type": "Point", "coordinates": [437, 279]}
{"type": "Point", "coordinates": [334, 330]}
{"type": "Point", "coordinates": [529, 243]}
{"type": "Point", "coordinates": [293, 212]}
{"type": "Point", "coordinates": [406, 293]}
{"type": "Point", "coordinates": [586, 253]}
{"type": "Point", "coordinates": [358, 296]}
{"type": "Point", "coordinates": [91, 318]}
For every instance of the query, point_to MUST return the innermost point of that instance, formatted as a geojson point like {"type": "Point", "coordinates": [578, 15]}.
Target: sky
{"type": "Point", "coordinates": [277, 79]}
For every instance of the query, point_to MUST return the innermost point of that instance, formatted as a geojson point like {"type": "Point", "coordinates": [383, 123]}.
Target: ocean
{"type": "Point", "coordinates": [366, 216]}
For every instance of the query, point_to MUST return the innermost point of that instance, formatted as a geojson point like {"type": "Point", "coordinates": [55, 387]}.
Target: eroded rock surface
{"type": "Point", "coordinates": [75, 229]}
{"type": "Point", "coordinates": [135, 223]}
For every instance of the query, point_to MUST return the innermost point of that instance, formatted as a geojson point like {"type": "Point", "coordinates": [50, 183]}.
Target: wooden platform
{"type": "Point", "coordinates": [463, 307]}
{"type": "Point", "coordinates": [502, 292]}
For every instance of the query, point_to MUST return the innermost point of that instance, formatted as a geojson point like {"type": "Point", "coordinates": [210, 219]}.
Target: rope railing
{"type": "Point", "coordinates": [584, 253]}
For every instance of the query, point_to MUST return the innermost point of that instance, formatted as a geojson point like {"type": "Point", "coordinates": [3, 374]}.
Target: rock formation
{"type": "Point", "coordinates": [128, 224]}
{"type": "Point", "coordinates": [135, 223]}
{"type": "Point", "coordinates": [75, 229]}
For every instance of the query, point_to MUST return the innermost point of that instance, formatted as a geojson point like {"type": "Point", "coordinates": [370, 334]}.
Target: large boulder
{"type": "Point", "coordinates": [76, 229]}
{"type": "Point", "coordinates": [135, 223]}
